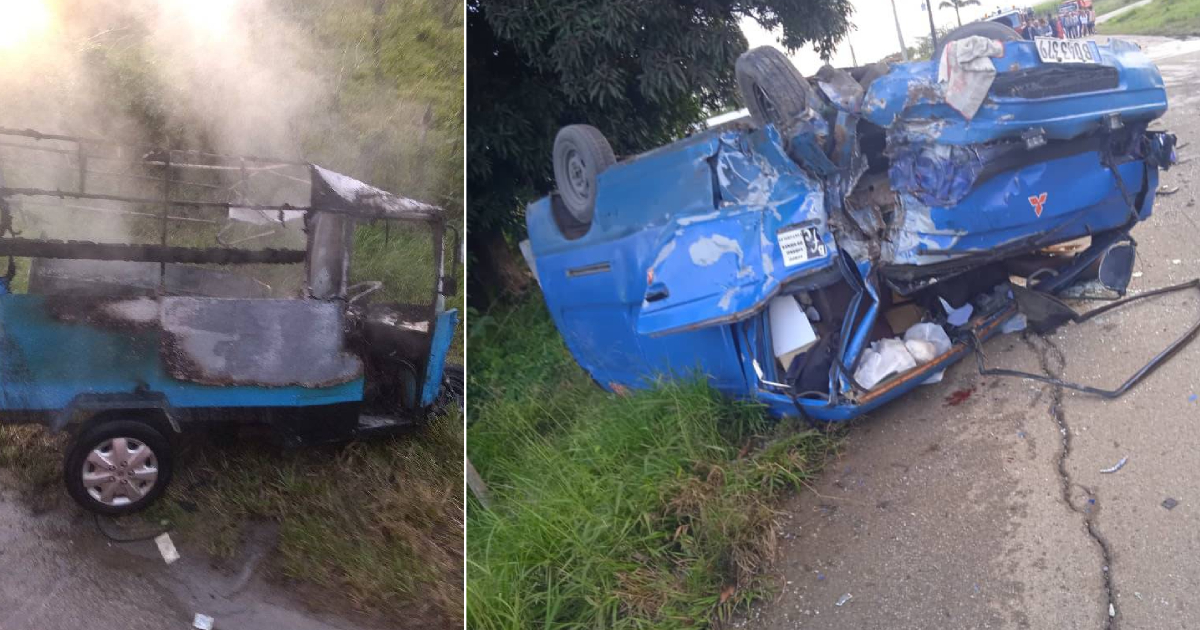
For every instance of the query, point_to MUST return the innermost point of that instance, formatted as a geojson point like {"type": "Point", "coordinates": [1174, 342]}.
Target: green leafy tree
{"type": "Point", "coordinates": [642, 71]}
{"type": "Point", "coordinates": [923, 51]}
{"type": "Point", "coordinates": [956, 5]}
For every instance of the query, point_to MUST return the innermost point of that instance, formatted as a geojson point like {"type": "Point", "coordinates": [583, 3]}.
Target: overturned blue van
{"type": "Point", "coordinates": [847, 209]}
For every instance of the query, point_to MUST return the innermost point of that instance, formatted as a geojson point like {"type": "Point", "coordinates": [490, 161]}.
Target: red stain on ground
{"type": "Point", "coordinates": [958, 397]}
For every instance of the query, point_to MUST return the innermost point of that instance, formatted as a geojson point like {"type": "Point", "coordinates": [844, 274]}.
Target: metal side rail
{"type": "Point", "coordinates": [1146, 369]}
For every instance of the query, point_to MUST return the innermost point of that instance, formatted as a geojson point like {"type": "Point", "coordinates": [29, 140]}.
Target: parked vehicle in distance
{"type": "Point", "coordinates": [131, 339]}
{"type": "Point", "coordinates": [860, 232]}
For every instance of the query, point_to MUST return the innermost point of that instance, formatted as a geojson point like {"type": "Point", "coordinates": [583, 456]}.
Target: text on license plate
{"type": "Point", "coordinates": [1052, 50]}
{"type": "Point", "coordinates": [799, 243]}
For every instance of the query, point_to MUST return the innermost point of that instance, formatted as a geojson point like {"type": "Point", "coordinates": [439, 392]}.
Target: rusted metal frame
{"type": "Point", "coordinates": [358, 213]}
{"type": "Point", "coordinates": [116, 211]}
{"type": "Point", "coordinates": [216, 167]}
{"type": "Point", "coordinates": [87, 250]}
{"type": "Point", "coordinates": [438, 234]}
{"type": "Point", "coordinates": [37, 135]}
{"type": "Point", "coordinates": [82, 157]}
{"type": "Point", "coordinates": [34, 147]}
{"type": "Point", "coordinates": [39, 192]}
{"type": "Point", "coordinates": [166, 210]}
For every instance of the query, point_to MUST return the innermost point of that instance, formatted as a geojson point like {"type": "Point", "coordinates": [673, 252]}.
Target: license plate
{"type": "Point", "coordinates": [1052, 50]}
{"type": "Point", "coordinates": [799, 243]}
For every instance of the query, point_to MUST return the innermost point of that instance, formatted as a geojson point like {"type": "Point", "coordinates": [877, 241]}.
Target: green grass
{"type": "Point", "coordinates": [1161, 17]}
{"type": "Point", "coordinates": [1101, 6]}
{"type": "Point", "coordinates": [652, 510]}
{"type": "Point", "coordinates": [379, 523]}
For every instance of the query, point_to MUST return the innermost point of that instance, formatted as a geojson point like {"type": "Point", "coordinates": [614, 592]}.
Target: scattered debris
{"type": "Point", "coordinates": [166, 547]}
{"type": "Point", "coordinates": [1112, 612]}
{"type": "Point", "coordinates": [957, 316]}
{"type": "Point", "coordinates": [1192, 398]}
{"type": "Point", "coordinates": [1016, 323]}
{"type": "Point", "coordinates": [820, 577]}
{"type": "Point", "coordinates": [202, 622]}
{"type": "Point", "coordinates": [1119, 465]}
{"type": "Point", "coordinates": [1170, 503]}
{"type": "Point", "coordinates": [843, 599]}
{"type": "Point", "coordinates": [1137, 274]}
{"type": "Point", "coordinates": [959, 397]}
{"type": "Point", "coordinates": [1021, 434]}
{"type": "Point", "coordinates": [1176, 261]}
{"type": "Point", "coordinates": [1167, 190]}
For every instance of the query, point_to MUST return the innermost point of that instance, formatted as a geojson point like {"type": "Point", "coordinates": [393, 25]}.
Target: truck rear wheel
{"type": "Point", "coordinates": [773, 89]}
{"type": "Point", "coordinates": [581, 153]}
{"type": "Point", "coordinates": [118, 467]}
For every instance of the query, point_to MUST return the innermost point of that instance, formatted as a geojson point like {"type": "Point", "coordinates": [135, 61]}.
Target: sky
{"type": "Point", "coordinates": [874, 36]}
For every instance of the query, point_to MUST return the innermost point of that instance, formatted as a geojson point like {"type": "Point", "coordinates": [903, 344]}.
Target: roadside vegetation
{"type": "Point", "coordinates": [647, 510]}
{"type": "Point", "coordinates": [1171, 18]}
{"type": "Point", "coordinates": [1101, 6]}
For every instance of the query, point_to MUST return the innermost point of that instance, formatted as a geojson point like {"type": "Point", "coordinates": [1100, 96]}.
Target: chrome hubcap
{"type": "Point", "coordinates": [119, 471]}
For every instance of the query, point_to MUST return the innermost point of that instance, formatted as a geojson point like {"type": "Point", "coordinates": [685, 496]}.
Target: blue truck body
{"type": "Point", "coordinates": [691, 241]}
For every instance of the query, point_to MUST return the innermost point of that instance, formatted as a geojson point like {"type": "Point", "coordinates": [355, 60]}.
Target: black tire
{"type": "Point", "coordinates": [870, 73]}
{"type": "Point", "coordinates": [990, 30]}
{"type": "Point", "coordinates": [137, 433]}
{"type": "Point", "coordinates": [581, 153]}
{"type": "Point", "coordinates": [773, 89]}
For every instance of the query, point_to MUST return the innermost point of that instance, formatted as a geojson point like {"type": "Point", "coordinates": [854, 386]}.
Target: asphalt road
{"type": "Point", "coordinates": [59, 572]}
{"type": "Point", "coordinates": [993, 512]}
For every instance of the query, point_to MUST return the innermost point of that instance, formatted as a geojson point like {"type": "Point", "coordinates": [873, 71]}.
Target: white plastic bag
{"type": "Point", "coordinates": [936, 337]}
{"type": "Point", "coordinates": [929, 332]}
{"type": "Point", "coordinates": [922, 351]}
{"type": "Point", "coordinates": [884, 358]}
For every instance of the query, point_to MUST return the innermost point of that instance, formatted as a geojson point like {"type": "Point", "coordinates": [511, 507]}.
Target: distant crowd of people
{"type": "Point", "coordinates": [1068, 25]}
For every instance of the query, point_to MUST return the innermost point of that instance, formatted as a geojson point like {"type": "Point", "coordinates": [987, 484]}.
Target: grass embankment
{"type": "Point", "coordinates": [651, 510]}
{"type": "Point", "coordinates": [1171, 18]}
{"type": "Point", "coordinates": [1101, 6]}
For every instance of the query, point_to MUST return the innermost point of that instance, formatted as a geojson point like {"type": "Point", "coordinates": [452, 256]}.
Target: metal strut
{"type": "Point", "coordinates": [1146, 369]}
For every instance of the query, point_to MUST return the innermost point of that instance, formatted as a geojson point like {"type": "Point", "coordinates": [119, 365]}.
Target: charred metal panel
{"type": "Point", "coordinates": [54, 350]}
{"type": "Point", "coordinates": [330, 243]}
{"type": "Point", "coordinates": [335, 192]}
{"type": "Point", "coordinates": [271, 343]}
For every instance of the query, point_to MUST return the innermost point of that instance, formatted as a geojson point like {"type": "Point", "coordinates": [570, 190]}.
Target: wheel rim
{"type": "Point", "coordinates": [120, 471]}
{"type": "Point", "coordinates": [577, 177]}
{"type": "Point", "coordinates": [765, 105]}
